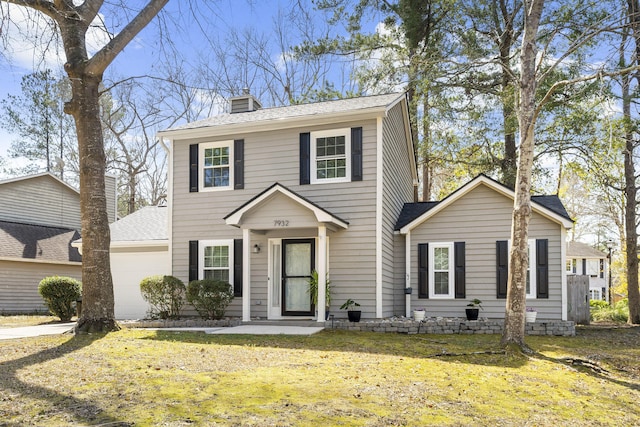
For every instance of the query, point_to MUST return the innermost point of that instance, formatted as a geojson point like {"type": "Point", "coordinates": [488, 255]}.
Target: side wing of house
{"type": "Point", "coordinates": [41, 199]}
{"type": "Point", "coordinates": [461, 252]}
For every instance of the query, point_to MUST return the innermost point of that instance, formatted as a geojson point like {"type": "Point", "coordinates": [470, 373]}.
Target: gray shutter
{"type": "Point", "coordinates": [460, 269]}
{"type": "Point", "coordinates": [356, 154]}
{"type": "Point", "coordinates": [193, 168]}
{"type": "Point", "coordinates": [423, 270]}
{"type": "Point", "coordinates": [542, 268]}
{"type": "Point", "coordinates": [193, 260]}
{"type": "Point", "coordinates": [237, 267]}
{"type": "Point", "coordinates": [305, 158]}
{"type": "Point", "coordinates": [238, 164]}
{"type": "Point", "coordinates": [502, 267]}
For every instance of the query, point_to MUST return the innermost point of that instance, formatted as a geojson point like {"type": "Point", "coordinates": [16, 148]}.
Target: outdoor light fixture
{"type": "Point", "coordinates": [256, 248]}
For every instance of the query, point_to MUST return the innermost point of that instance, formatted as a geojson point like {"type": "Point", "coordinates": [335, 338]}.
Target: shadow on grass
{"type": "Point", "coordinates": [477, 349]}
{"type": "Point", "coordinates": [81, 410]}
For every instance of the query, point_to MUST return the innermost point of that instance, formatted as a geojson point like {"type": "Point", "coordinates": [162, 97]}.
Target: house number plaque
{"type": "Point", "coordinates": [280, 222]}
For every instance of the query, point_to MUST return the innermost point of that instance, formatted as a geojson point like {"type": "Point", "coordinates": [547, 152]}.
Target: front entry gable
{"type": "Point", "coordinates": [279, 207]}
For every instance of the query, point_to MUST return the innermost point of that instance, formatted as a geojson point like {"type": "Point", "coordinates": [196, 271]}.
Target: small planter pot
{"type": "Point", "coordinates": [418, 315]}
{"type": "Point", "coordinates": [472, 313]}
{"type": "Point", "coordinates": [530, 316]}
{"type": "Point", "coordinates": [354, 316]}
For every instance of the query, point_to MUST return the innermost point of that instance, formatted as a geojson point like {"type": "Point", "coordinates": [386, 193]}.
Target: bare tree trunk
{"type": "Point", "coordinates": [630, 190]}
{"type": "Point", "coordinates": [514, 322]}
{"type": "Point", "coordinates": [97, 296]}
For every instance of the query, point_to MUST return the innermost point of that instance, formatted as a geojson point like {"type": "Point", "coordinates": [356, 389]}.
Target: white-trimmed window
{"type": "Point", "coordinates": [571, 265]}
{"type": "Point", "coordinates": [595, 294]}
{"type": "Point", "coordinates": [216, 166]}
{"type": "Point", "coordinates": [531, 272]}
{"type": "Point", "coordinates": [331, 156]}
{"type": "Point", "coordinates": [441, 270]}
{"type": "Point", "coordinates": [216, 260]}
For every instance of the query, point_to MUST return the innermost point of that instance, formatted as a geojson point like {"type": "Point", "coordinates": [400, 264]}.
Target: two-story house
{"type": "Point", "coordinates": [263, 197]}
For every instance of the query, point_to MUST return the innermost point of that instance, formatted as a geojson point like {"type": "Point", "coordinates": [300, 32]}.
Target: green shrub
{"type": "Point", "coordinates": [209, 297]}
{"type": "Point", "coordinates": [598, 304]}
{"type": "Point", "coordinates": [619, 313]}
{"type": "Point", "coordinates": [165, 294]}
{"type": "Point", "coordinates": [59, 293]}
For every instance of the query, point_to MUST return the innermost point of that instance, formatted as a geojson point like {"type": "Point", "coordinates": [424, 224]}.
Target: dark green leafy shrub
{"type": "Point", "coordinates": [60, 293]}
{"type": "Point", "coordinates": [619, 313]}
{"type": "Point", "coordinates": [209, 297]}
{"type": "Point", "coordinates": [165, 295]}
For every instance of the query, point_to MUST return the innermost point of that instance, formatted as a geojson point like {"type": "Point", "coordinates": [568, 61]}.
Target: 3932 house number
{"type": "Point", "coordinates": [280, 222]}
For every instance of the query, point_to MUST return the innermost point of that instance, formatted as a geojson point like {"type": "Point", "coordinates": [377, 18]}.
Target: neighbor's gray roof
{"type": "Point", "coordinates": [582, 250]}
{"type": "Point", "coordinates": [148, 223]}
{"type": "Point", "coordinates": [277, 113]}
{"type": "Point", "coordinates": [38, 242]}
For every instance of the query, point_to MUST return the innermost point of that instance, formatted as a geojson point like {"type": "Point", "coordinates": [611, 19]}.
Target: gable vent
{"type": "Point", "coordinates": [244, 103]}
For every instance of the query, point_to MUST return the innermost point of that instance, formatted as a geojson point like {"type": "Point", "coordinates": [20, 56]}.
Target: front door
{"type": "Point", "coordinates": [298, 259]}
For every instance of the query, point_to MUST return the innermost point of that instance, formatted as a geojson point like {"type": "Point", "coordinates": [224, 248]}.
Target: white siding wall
{"type": "Point", "coordinates": [19, 284]}
{"type": "Point", "coordinates": [480, 218]}
{"type": "Point", "coordinates": [274, 157]}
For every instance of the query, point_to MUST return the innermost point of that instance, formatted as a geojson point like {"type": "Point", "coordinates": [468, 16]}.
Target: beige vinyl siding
{"type": "Point", "coordinates": [480, 218]}
{"type": "Point", "coordinates": [19, 284]}
{"type": "Point", "coordinates": [274, 157]}
{"type": "Point", "coordinates": [397, 190]}
{"type": "Point", "coordinates": [40, 200]}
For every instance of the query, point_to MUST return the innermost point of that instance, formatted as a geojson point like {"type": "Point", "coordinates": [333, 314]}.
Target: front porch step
{"type": "Point", "coordinates": [305, 323]}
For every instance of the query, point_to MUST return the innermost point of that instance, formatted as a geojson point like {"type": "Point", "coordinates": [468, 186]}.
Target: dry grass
{"type": "Point", "coordinates": [15, 321]}
{"type": "Point", "coordinates": [147, 378]}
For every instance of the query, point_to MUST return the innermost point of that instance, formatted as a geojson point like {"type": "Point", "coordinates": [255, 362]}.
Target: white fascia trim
{"type": "Point", "coordinates": [40, 261]}
{"type": "Point", "coordinates": [38, 175]}
{"type": "Point", "coordinates": [379, 197]}
{"type": "Point", "coordinates": [482, 180]}
{"type": "Point", "coordinates": [160, 243]}
{"type": "Point", "coordinates": [320, 215]}
{"type": "Point", "coordinates": [563, 273]}
{"type": "Point", "coordinates": [407, 272]}
{"type": "Point", "coordinates": [169, 149]}
{"type": "Point", "coordinates": [273, 124]}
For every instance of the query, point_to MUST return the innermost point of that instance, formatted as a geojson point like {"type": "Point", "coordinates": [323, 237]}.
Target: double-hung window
{"type": "Point", "coordinates": [331, 156]}
{"type": "Point", "coordinates": [217, 260]}
{"type": "Point", "coordinates": [441, 270]}
{"type": "Point", "coordinates": [216, 165]}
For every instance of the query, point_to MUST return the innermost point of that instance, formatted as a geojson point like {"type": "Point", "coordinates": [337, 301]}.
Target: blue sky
{"type": "Point", "coordinates": [139, 57]}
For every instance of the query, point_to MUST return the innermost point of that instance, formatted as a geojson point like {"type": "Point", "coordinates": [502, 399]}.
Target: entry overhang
{"type": "Point", "coordinates": [322, 215]}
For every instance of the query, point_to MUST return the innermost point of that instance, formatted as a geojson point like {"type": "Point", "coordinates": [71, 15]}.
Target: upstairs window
{"type": "Point", "coordinates": [331, 156]}
{"type": "Point", "coordinates": [216, 166]}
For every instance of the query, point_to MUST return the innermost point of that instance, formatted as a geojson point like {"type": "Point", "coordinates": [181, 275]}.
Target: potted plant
{"type": "Point", "coordinates": [530, 314]}
{"type": "Point", "coordinates": [313, 291]}
{"type": "Point", "coordinates": [475, 305]}
{"type": "Point", "coordinates": [418, 314]}
{"type": "Point", "coordinates": [354, 315]}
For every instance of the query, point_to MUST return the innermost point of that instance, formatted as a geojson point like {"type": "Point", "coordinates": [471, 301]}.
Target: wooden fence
{"type": "Point", "coordinates": [578, 299]}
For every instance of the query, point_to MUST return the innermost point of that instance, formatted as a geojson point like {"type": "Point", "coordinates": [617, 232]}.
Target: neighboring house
{"type": "Point", "coordinates": [262, 197]}
{"type": "Point", "coordinates": [459, 251]}
{"type": "Point", "coordinates": [39, 219]}
{"type": "Point", "coordinates": [583, 259]}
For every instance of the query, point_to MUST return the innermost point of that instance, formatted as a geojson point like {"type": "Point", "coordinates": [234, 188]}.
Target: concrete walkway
{"type": "Point", "coordinates": [35, 331]}
{"type": "Point", "coordinates": [60, 328]}
{"type": "Point", "coordinates": [251, 330]}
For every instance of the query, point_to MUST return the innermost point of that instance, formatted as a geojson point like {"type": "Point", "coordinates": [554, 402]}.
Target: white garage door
{"type": "Point", "coordinates": [128, 269]}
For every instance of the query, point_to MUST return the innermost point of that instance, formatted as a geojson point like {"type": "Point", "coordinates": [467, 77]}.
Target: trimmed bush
{"type": "Point", "coordinates": [165, 294]}
{"type": "Point", "coordinates": [598, 304]}
{"type": "Point", "coordinates": [60, 293]}
{"type": "Point", "coordinates": [209, 297]}
{"type": "Point", "coordinates": [619, 313]}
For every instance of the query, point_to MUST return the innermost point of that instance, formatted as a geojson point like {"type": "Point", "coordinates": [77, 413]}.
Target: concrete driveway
{"type": "Point", "coordinates": [35, 331]}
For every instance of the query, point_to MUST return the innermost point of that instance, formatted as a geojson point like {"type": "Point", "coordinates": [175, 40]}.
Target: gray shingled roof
{"type": "Point", "coordinates": [277, 113]}
{"type": "Point", "coordinates": [582, 250]}
{"type": "Point", "coordinates": [148, 223]}
{"type": "Point", "coordinates": [38, 242]}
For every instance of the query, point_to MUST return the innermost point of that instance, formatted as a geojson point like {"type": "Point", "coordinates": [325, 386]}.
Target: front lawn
{"type": "Point", "coordinates": [148, 378]}
{"type": "Point", "coordinates": [15, 321]}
